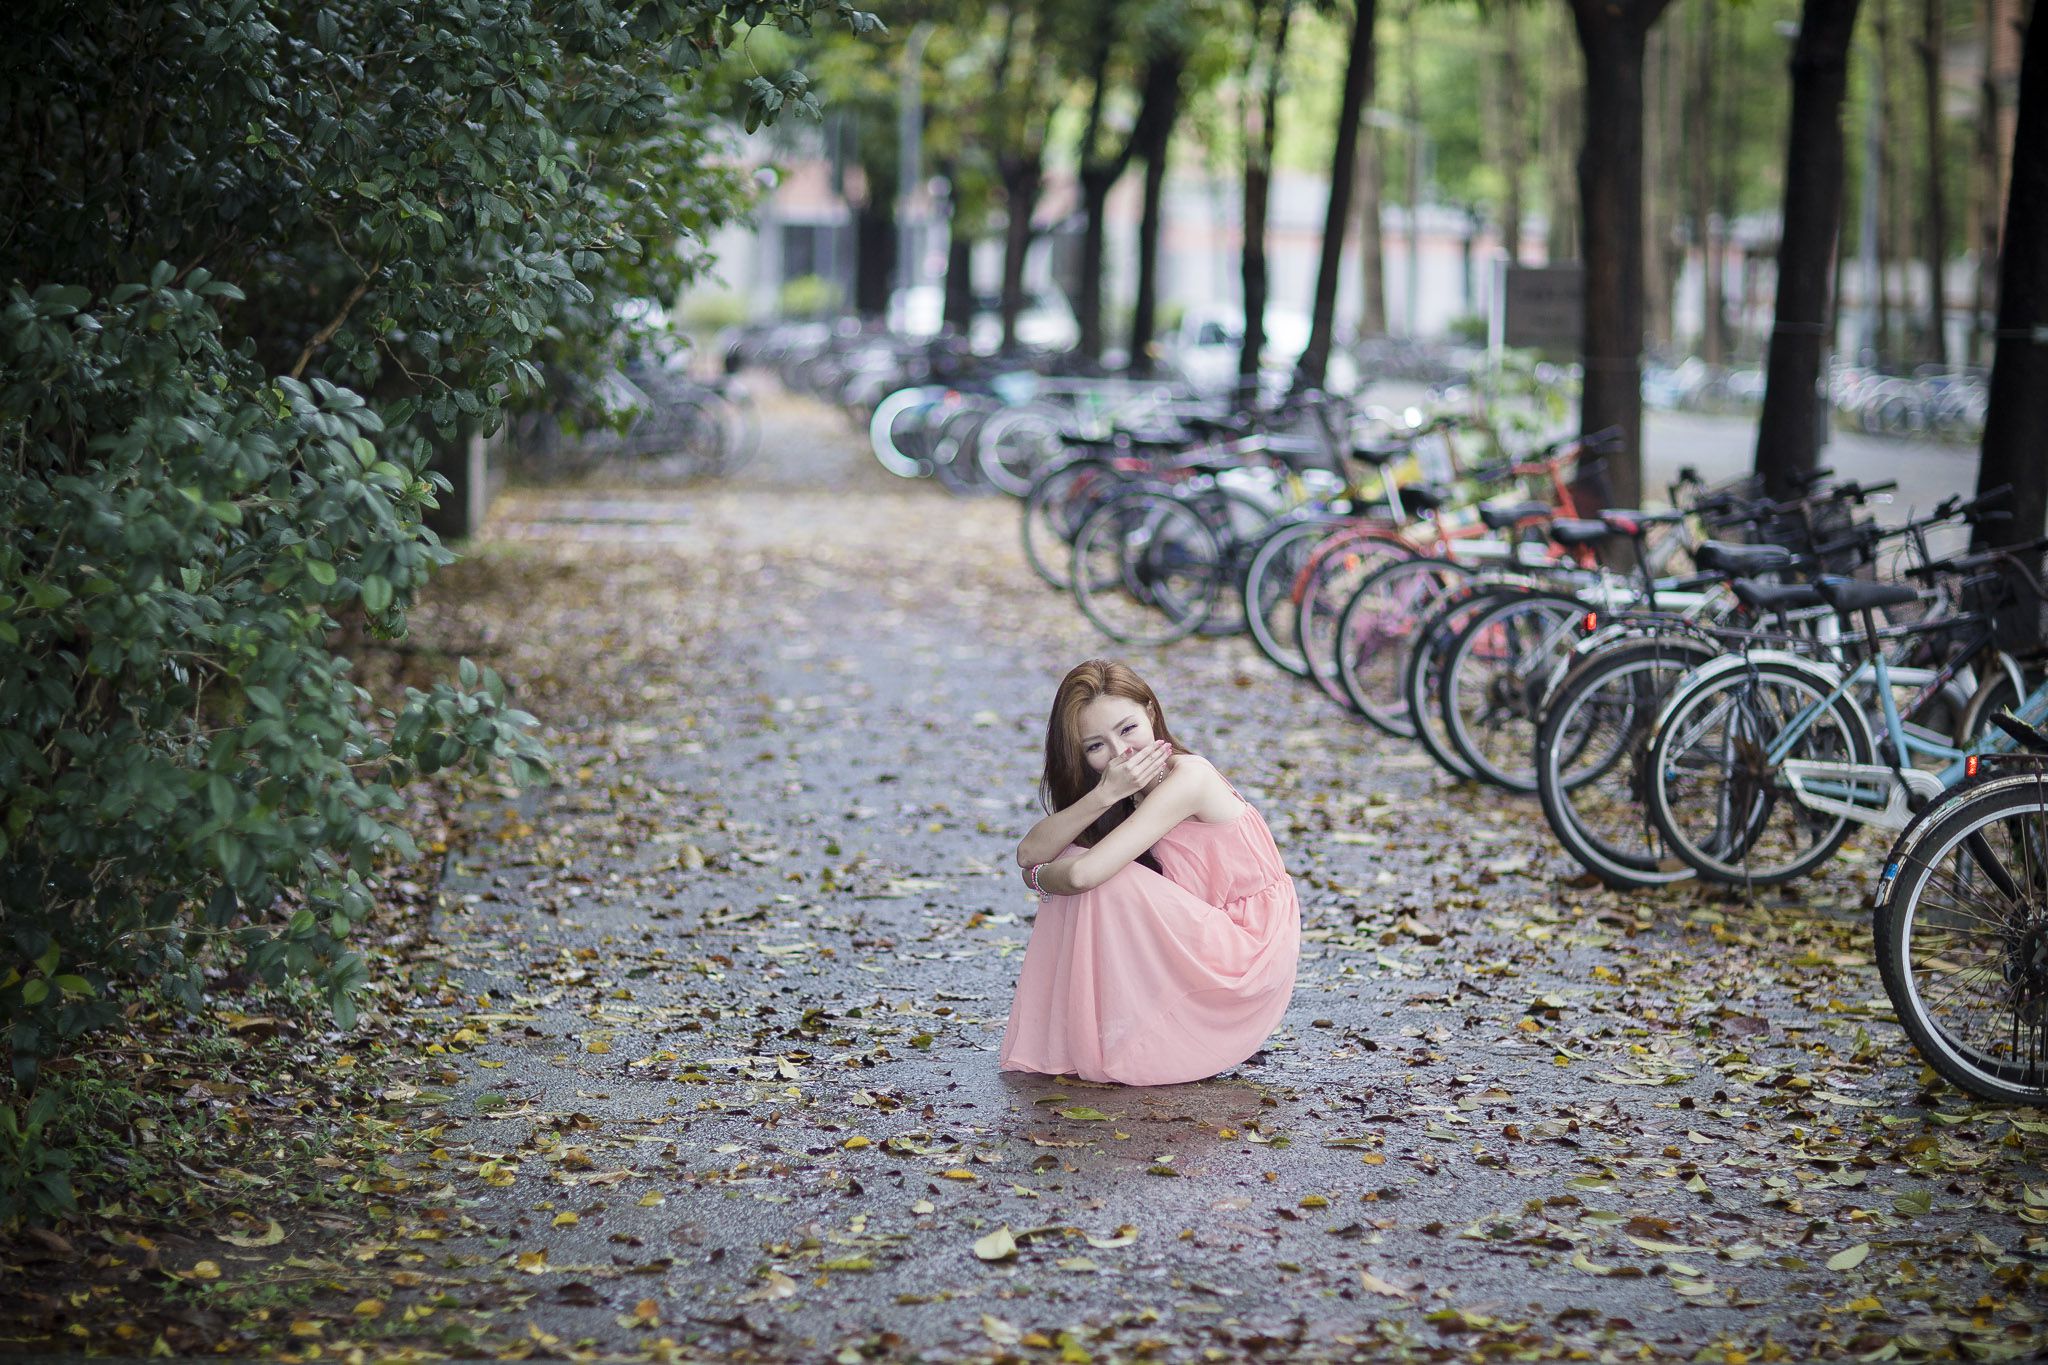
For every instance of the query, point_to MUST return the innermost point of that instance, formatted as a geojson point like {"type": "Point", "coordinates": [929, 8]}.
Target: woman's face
{"type": "Point", "coordinates": [1110, 728]}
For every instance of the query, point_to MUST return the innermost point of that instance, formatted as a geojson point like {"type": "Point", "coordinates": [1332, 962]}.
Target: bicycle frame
{"type": "Point", "coordinates": [1846, 788]}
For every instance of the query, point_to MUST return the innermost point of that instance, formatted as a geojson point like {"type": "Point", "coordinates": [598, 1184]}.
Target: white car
{"type": "Point", "coordinates": [1205, 348]}
{"type": "Point", "coordinates": [1047, 319]}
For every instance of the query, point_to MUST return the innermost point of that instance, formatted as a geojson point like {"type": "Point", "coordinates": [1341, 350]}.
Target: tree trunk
{"type": "Point", "coordinates": [874, 251]}
{"type": "Point", "coordinates": [1660, 130]}
{"type": "Point", "coordinates": [1258, 179]}
{"type": "Point", "coordinates": [1372, 246]}
{"type": "Point", "coordinates": [1096, 176]}
{"type": "Point", "coordinates": [1021, 182]}
{"type": "Point", "coordinates": [2019, 372]}
{"type": "Point", "coordinates": [1700, 168]}
{"type": "Point", "coordinates": [959, 298]}
{"type": "Point", "coordinates": [1411, 101]}
{"type": "Point", "coordinates": [1151, 139]}
{"type": "Point", "coordinates": [1985, 200]}
{"type": "Point", "coordinates": [1936, 224]}
{"type": "Point", "coordinates": [1512, 137]}
{"type": "Point", "coordinates": [1559, 136]}
{"type": "Point", "coordinates": [1789, 431]}
{"type": "Point", "coordinates": [1358, 83]}
{"type": "Point", "coordinates": [1612, 35]}
{"type": "Point", "coordinates": [1891, 181]}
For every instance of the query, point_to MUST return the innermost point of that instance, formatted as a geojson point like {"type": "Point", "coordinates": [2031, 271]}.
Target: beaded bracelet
{"type": "Point", "coordinates": [1031, 879]}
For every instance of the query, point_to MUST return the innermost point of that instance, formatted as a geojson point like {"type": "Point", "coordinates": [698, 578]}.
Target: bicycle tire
{"type": "Point", "coordinates": [1982, 929]}
{"type": "Point", "coordinates": [1271, 614]}
{"type": "Point", "coordinates": [1337, 568]}
{"type": "Point", "coordinates": [1061, 498]}
{"type": "Point", "coordinates": [1607, 703]}
{"type": "Point", "coordinates": [1759, 699]}
{"type": "Point", "coordinates": [1375, 630]}
{"type": "Point", "coordinates": [1422, 676]}
{"type": "Point", "coordinates": [1146, 568]}
{"type": "Point", "coordinates": [1494, 674]}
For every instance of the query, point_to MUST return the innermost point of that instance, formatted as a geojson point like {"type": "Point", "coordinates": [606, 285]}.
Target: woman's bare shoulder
{"type": "Point", "coordinates": [1205, 784]}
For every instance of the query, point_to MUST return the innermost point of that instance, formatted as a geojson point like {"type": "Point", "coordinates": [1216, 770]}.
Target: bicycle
{"type": "Point", "coordinates": [1960, 920]}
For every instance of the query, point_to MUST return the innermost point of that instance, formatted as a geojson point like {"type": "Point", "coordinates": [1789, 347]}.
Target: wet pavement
{"type": "Point", "coordinates": [716, 1063]}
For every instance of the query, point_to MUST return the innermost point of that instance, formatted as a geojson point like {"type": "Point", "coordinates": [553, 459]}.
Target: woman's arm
{"type": "Point", "coordinates": [1050, 836]}
{"type": "Point", "coordinates": [1124, 777]}
{"type": "Point", "coordinates": [1184, 792]}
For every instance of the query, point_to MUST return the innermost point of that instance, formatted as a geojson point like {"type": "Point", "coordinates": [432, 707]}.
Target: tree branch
{"type": "Point", "coordinates": [326, 334]}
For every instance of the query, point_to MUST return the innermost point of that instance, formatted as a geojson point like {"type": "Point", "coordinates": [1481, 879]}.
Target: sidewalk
{"type": "Point", "coordinates": [719, 1076]}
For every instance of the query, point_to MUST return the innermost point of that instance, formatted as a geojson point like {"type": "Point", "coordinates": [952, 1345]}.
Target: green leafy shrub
{"type": "Point", "coordinates": [183, 759]}
{"type": "Point", "coordinates": [810, 296]}
{"type": "Point", "coordinates": [387, 232]}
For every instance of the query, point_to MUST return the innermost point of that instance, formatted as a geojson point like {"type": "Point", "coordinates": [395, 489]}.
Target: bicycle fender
{"type": "Point", "coordinates": [1825, 673]}
{"type": "Point", "coordinates": [1910, 837]}
{"type": "Point", "coordinates": [1825, 676]}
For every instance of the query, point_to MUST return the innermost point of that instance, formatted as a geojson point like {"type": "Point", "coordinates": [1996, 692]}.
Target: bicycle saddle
{"type": "Point", "coordinates": [1848, 595]}
{"type": "Point", "coordinates": [1575, 531]}
{"type": "Point", "coordinates": [1501, 516]}
{"type": "Point", "coordinates": [1742, 561]}
{"type": "Point", "coordinates": [1772, 599]}
{"type": "Point", "coordinates": [1379, 454]}
{"type": "Point", "coordinates": [1630, 521]}
{"type": "Point", "coordinates": [1417, 498]}
{"type": "Point", "coordinates": [1152, 440]}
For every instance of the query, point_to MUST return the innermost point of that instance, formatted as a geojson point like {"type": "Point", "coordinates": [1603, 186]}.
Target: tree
{"type": "Point", "coordinates": [1150, 141]}
{"type": "Point", "coordinates": [2018, 412]}
{"type": "Point", "coordinates": [1258, 112]}
{"type": "Point", "coordinates": [1935, 221]}
{"type": "Point", "coordinates": [258, 261]}
{"type": "Point", "coordinates": [1788, 433]}
{"type": "Point", "coordinates": [1612, 36]}
{"type": "Point", "coordinates": [1358, 82]}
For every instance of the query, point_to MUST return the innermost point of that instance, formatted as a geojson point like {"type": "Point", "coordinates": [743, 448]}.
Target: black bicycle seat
{"type": "Point", "coordinates": [1848, 595]}
{"type": "Point", "coordinates": [1575, 531]}
{"type": "Point", "coordinates": [1742, 561]}
{"type": "Point", "coordinates": [1380, 453]}
{"type": "Point", "coordinates": [1501, 516]}
{"type": "Point", "coordinates": [1417, 498]}
{"type": "Point", "coordinates": [1771, 599]}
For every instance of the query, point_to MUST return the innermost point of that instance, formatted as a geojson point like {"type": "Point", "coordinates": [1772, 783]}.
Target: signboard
{"type": "Point", "coordinates": [1537, 305]}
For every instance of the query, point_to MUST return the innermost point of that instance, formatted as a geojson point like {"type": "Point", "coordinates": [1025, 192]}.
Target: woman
{"type": "Point", "coordinates": [1165, 946]}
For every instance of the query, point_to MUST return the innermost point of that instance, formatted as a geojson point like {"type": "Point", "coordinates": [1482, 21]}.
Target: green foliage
{"type": "Point", "coordinates": [259, 262]}
{"type": "Point", "coordinates": [182, 757]}
{"type": "Point", "coordinates": [35, 1174]}
{"type": "Point", "coordinates": [809, 296]}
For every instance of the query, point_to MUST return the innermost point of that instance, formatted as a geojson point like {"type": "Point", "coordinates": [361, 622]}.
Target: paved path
{"type": "Point", "coordinates": [721, 1073]}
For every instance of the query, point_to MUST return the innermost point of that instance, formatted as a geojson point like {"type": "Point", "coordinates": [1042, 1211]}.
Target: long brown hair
{"type": "Point", "coordinates": [1067, 776]}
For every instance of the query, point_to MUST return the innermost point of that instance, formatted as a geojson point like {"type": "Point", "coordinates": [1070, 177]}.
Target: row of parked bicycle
{"type": "Point", "coordinates": [1761, 680]}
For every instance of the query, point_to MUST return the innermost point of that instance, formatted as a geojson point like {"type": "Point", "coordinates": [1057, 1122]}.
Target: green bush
{"type": "Point", "coordinates": [810, 296]}
{"type": "Point", "coordinates": [183, 760]}
{"type": "Point", "coordinates": [386, 231]}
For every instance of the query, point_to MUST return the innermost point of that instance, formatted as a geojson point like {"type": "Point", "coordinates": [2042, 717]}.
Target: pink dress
{"type": "Point", "coordinates": [1153, 980]}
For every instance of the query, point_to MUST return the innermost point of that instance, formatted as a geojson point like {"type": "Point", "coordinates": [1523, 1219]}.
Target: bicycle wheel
{"type": "Point", "coordinates": [1147, 568]}
{"type": "Point", "coordinates": [1061, 498]}
{"type": "Point", "coordinates": [1014, 444]}
{"type": "Point", "coordinates": [1375, 630]}
{"type": "Point", "coordinates": [1272, 615]}
{"type": "Point", "coordinates": [1494, 677]}
{"type": "Point", "coordinates": [899, 434]}
{"type": "Point", "coordinates": [1962, 941]}
{"type": "Point", "coordinates": [1337, 568]}
{"type": "Point", "coordinates": [1719, 798]}
{"type": "Point", "coordinates": [1239, 521]}
{"type": "Point", "coordinates": [1590, 754]}
{"type": "Point", "coordinates": [1422, 677]}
